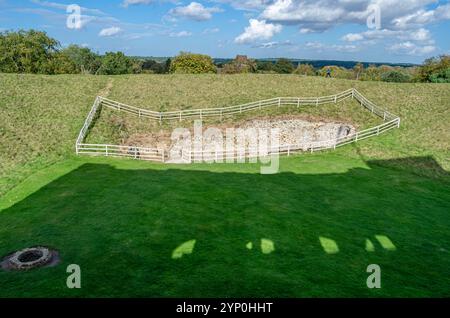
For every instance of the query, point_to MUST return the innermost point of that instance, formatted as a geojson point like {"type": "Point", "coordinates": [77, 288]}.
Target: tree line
{"type": "Point", "coordinates": [35, 52]}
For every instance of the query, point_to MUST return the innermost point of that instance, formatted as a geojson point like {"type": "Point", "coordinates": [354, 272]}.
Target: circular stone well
{"type": "Point", "coordinates": [30, 258]}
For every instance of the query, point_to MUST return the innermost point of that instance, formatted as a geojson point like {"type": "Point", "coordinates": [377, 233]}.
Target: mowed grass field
{"type": "Point", "coordinates": [150, 230]}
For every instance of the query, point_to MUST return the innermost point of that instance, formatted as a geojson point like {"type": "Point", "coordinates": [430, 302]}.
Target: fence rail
{"type": "Point", "coordinates": [152, 154]}
{"type": "Point", "coordinates": [223, 111]}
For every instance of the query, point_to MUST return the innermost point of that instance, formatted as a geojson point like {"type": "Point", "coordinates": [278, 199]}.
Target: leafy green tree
{"type": "Point", "coordinates": [265, 66]}
{"type": "Point", "coordinates": [86, 61]}
{"type": "Point", "coordinates": [433, 68]}
{"type": "Point", "coordinates": [189, 63]}
{"type": "Point", "coordinates": [26, 51]}
{"type": "Point", "coordinates": [61, 63]}
{"type": "Point", "coordinates": [115, 64]}
{"type": "Point", "coordinates": [305, 69]}
{"type": "Point", "coordinates": [283, 66]}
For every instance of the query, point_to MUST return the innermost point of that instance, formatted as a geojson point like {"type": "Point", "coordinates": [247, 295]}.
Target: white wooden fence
{"type": "Point", "coordinates": [153, 154]}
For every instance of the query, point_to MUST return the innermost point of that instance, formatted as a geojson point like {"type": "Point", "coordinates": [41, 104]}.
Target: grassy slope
{"type": "Point", "coordinates": [40, 117]}
{"type": "Point", "coordinates": [95, 209]}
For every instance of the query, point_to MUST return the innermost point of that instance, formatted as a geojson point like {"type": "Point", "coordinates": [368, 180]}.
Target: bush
{"type": "Point", "coordinates": [283, 66]}
{"type": "Point", "coordinates": [305, 69]}
{"type": "Point", "coordinates": [189, 63]}
{"type": "Point", "coordinates": [115, 64]}
{"type": "Point", "coordinates": [441, 77]}
{"type": "Point", "coordinates": [61, 63]}
{"type": "Point", "coordinates": [241, 64]}
{"type": "Point", "coordinates": [264, 66]}
{"type": "Point", "coordinates": [372, 73]}
{"type": "Point", "coordinates": [395, 76]}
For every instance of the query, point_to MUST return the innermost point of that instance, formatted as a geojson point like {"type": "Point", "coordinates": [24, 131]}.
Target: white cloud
{"type": "Point", "coordinates": [248, 5]}
{"type": "Point", "coordinates": [418, 35]}
{"type": "Point", "coordinates": [211, 31]}
{"type": "Point", "coordinates": [421, 35]}
{"type": "Point", "coordinates": [194, 11]}
{"type": "Point", "coordinates": [128, 3]}
{"type": "Point", "coordinates": [410, 48]}
{"type": "Point", "coordinates": [273, 45]}
{"type": "Point", "coordinates": [351, 37]}
{"type": "Point", "coordinates": [320, 47]}
{"type": "Point", "coordinates": [258, 30]}
{"type": "Point", "coordinates": [110, 31]}
{"type": "Point", "coordinates": [180, 34]}
{"type": "Point", "coordinates": [321, 15]}
{"type": "Point", "coordinates": [422, 17]}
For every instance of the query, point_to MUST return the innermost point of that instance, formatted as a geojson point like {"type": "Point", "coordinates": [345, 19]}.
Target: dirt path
{"type": "Point", "coordinates": [104, 92]}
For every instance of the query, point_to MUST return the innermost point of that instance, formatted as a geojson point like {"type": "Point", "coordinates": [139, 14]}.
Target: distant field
{"type": "Point", "coordinates": [127, 222]}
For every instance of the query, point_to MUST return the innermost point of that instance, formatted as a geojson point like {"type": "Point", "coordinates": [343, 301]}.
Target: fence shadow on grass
{"type": "Point", "coordinates": [188, 233]}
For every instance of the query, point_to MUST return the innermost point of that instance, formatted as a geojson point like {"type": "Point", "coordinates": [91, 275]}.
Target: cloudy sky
{"type": "Point", "coordinates": [363, 30]}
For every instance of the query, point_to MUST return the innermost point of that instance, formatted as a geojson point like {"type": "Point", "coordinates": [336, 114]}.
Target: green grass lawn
{"type": "Point", "coordinates": [121, 221]}
{"type": "Point", "coordinates": [144, 229]}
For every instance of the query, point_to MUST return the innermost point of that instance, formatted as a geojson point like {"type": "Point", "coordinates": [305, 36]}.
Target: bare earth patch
{"type": "Point", "coordinates": [293, 130]}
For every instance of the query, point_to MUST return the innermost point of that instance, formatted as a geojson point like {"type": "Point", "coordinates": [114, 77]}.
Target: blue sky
{"type": "Point", "coordinates": [398, 31]}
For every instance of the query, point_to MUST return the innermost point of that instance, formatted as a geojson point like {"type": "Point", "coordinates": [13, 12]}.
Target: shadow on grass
{"type": "Point", "coordinates": [201, 234]}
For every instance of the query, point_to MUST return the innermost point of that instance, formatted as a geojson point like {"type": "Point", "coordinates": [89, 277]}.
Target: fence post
{"type": "Point", "coordinates": [260, 104]}
{"type": "Point", "coordinates": [317, 101]}
{"type": "Point", "coordinates": [335, 99]}
{"type": "Point", "coordinates": [135, 152]}
{"type": "Point", "coordinates": [356, 139]}
{"type": "Point", "coordinates": [378, 130]}
{"type": "Point", "coordinates": [384, 116]}
{"type": "Point", "coordinates": [106, 148]}
{"type": "Point", "coordinates": [279, 101]}
{"type": "Point", "coordinates": [160, 118]}
{"type": "Point", "coordinates": [298, 102]}
{"type": "Point", "coordinates": [289, 150]}
{"type": "Point", "coordinates": [180, 115]}
{"type": "Point", "coordinates": [398, 123]}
